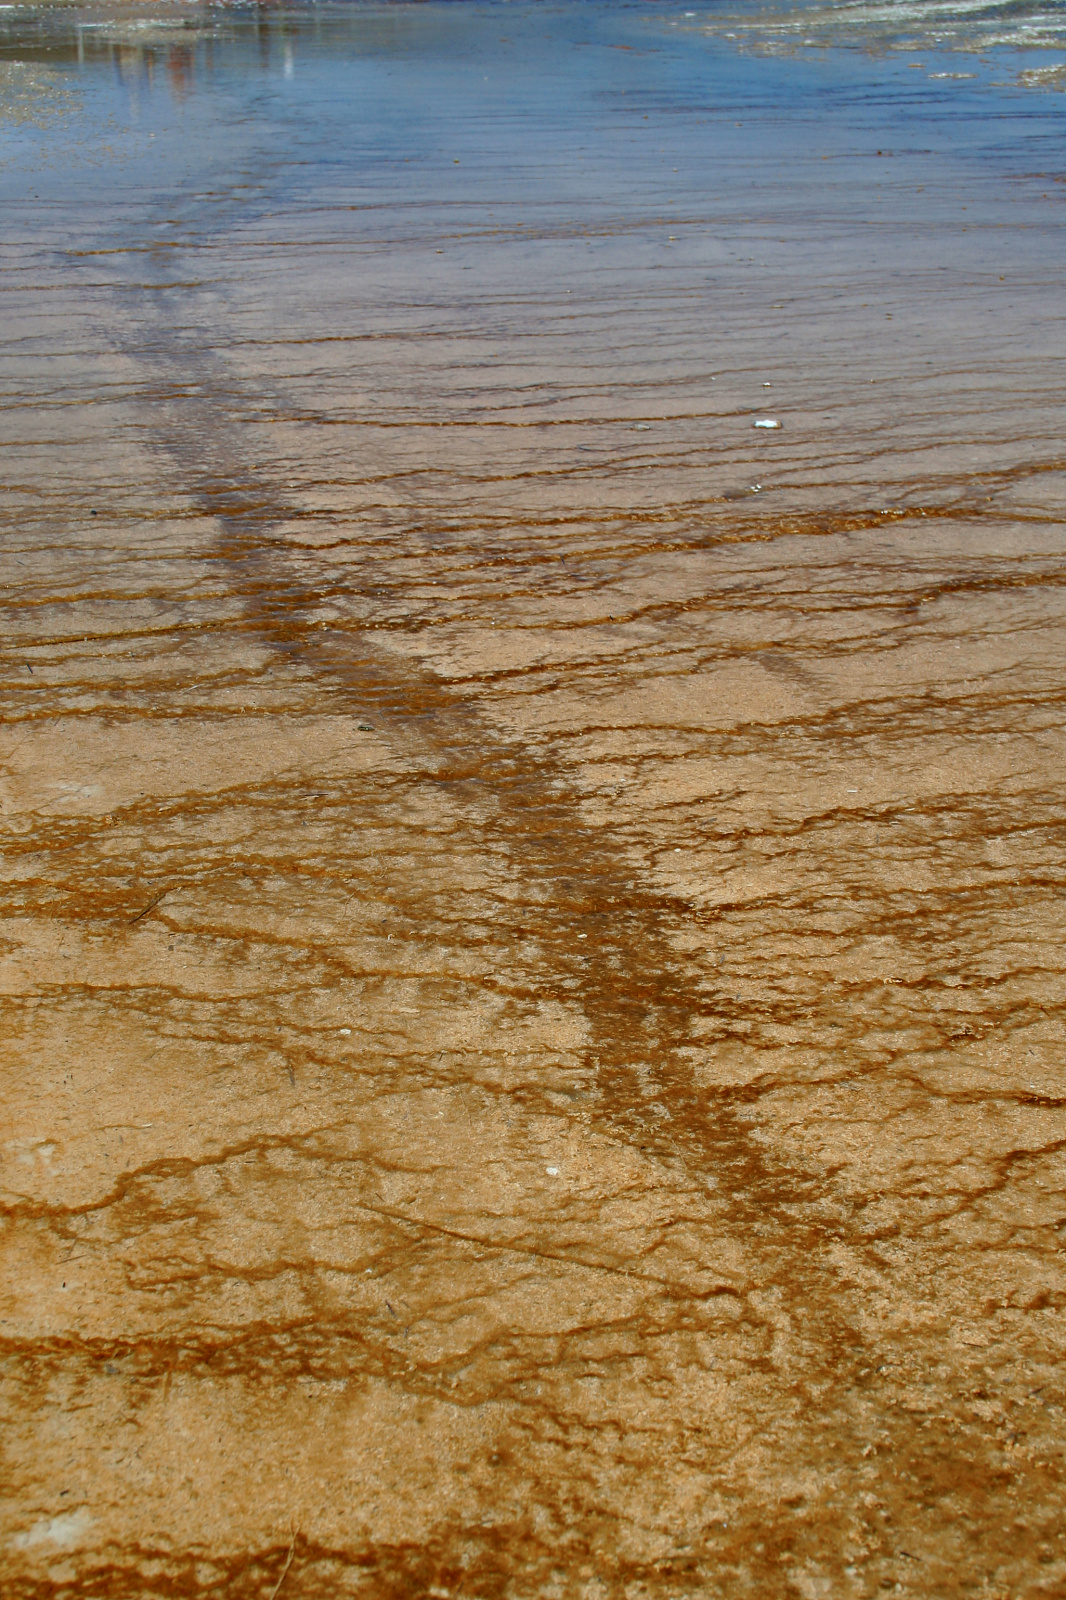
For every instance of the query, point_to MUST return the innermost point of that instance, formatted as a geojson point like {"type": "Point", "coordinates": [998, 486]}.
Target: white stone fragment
{"type": "Point", "coordinates": [66, 1531]}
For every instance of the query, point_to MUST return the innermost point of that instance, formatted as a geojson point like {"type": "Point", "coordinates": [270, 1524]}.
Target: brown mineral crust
{"type": "Point", "coordinates": [532, 968]}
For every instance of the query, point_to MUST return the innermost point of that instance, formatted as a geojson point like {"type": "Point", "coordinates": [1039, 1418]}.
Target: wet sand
{"type": "Point", "coordinates": [532, 929]}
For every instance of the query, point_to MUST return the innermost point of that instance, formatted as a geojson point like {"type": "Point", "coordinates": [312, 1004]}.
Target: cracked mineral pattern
{"type": "Point", "coordinates": [532, 946]}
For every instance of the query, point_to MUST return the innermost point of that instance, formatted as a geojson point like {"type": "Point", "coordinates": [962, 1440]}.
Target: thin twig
{"type": "Point", "coordinates": [153, 903]}
{"type": "Point", "coordinates": [288, 1564]}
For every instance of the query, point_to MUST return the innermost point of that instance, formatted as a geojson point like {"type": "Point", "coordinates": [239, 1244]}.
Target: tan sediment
{"type": "Point", "coordinates": [33, 95]}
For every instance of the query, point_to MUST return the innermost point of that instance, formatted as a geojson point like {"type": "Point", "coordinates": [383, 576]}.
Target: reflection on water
{"type": "Point", "coordinates": [532, 924]}
{"type": "Point", "coordinates": [198, 40]}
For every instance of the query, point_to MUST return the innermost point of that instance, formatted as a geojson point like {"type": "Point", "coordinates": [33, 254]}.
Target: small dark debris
{"type": "Point", "coordinates": [151, 904]}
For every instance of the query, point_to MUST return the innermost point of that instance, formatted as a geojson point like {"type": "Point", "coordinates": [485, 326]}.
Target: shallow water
{"type": "Point", "coordinates": [532, 949]}
{"type": "Point", "coordinates": [1010, 35]}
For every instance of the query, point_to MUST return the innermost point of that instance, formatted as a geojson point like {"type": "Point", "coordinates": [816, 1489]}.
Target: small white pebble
{"type": "Point", "coordinates": [582, 935]}
{"type": "Point", "coordinates": [553, 1172]}
{"type": "Point", "coordinates": [766, 422]}
{"type": "Point", "coordinates": [345, 1030]}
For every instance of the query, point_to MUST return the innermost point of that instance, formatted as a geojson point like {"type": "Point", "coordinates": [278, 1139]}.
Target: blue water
{"type": "Point", "coordinates": [556, 106]}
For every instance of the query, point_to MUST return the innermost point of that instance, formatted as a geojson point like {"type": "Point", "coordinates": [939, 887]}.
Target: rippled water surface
{"type": "Point", "coordinates": [1012, 36]}
{"type": "Point", "coordinates": [532, 948]}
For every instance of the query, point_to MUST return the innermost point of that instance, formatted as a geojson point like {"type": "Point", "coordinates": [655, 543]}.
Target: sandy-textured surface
{"type": "Point", "coordinates": [532, 947]}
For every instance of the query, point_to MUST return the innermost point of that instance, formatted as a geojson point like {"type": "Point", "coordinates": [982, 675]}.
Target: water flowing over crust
{"type": "Point", "coordinates": [1011, 32]}
{"type": "Point", "coordinates": [532, 945]}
